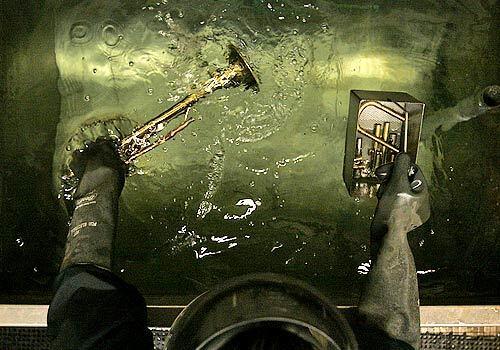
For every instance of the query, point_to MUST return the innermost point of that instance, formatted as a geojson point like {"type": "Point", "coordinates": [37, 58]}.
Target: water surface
{"type": "Point", "coordinates": [255, 184]}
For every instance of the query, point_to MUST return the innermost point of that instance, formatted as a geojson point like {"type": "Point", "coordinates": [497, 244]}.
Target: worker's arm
{"type": "Point", "coordinates": [92, 308]}
{"type": "Point", "coordinates": [390, 301]}
{"type": "Point", "coordinates": [478, 103]}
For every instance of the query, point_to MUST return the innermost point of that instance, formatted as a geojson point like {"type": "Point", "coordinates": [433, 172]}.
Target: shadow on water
{"type": "Point", "coordinates": [255, 183]}
{"type": "Point", "coordinates": [31, 239]}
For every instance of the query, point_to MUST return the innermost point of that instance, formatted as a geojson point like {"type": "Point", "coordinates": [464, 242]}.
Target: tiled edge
{"type": "Point", "coordinates": [23, 315]}
{"type": "Point", "coordinates": [470, 320]}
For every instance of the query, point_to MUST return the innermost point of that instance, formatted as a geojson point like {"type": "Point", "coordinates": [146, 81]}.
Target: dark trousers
{"type": "Point", "coordinates": [94, 309]}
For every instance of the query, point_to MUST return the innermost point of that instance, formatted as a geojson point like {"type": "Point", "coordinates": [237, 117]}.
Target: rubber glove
{"type": "Point", "coordinates": [92, 228]}
{"type": "Point", "coordinates": [403, 203]}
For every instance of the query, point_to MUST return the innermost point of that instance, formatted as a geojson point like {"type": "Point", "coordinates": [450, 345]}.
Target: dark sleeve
{"type": "Point", "coordinates": [369, 337]}
{"type": "Point", "coordinates": [94, 309]}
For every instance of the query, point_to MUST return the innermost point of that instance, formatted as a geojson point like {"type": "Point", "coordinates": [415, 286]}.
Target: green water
{"type": "Point", "coordinates": [255, 184]}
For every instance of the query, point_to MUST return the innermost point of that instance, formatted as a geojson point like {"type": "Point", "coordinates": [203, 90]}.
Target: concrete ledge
{"type": "Point", "coordinates": [473, 320]}
{"type": "Point", "coordinates": [23, 315]}
{"type": "Point", "coordinates": [456, 316]}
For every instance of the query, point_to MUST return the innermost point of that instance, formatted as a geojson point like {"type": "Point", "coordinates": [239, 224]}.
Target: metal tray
{"type": "Point", "coordinates": [380, 125]}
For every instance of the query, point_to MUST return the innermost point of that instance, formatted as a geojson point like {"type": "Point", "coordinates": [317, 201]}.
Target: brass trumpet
{"type": "Point", "coordinates": [146, 137]}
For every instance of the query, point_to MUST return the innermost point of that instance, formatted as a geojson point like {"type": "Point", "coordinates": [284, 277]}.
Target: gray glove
{"type": "Point", "coordinates": [403, 199]}
{"type": "Point", "coordinates": [389, 301]}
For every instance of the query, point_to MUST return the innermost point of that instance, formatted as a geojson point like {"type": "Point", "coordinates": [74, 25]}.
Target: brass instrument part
{"type": "Point", "coordinates": [405, 133]}
{"type": "Point", "coordinates": [382, 107]}
{"type": "Point", "coordinates": [377, 131]}
{"type": "Point", "coordinates": [385, 131]}
{"type": "Point", "coordinates": [384, 123]}
{"type": "Point", "coordinates": [393, 137]}
{"type": "Point", "coordinates": [385, 136]}
{"type": "Point", "coordinates": [377, 154]}
{"type": "Point", "coordinates": [374, 138]}
{"type": "Point", "coordinates": [138, 142]}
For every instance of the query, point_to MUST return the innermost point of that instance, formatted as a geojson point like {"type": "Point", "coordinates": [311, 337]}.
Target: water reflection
{"type": "Point", "coordinates": [251, 207]}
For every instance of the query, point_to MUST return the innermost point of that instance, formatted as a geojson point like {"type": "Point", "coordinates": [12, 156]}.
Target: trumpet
{"type": "Point", "coordinates": [147, 137]}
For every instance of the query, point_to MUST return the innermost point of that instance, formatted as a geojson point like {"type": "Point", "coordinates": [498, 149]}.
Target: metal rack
{"type": "Point", "coordinates": [380, 125]}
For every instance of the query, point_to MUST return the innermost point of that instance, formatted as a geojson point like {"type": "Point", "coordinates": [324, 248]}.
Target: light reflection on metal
{"type": "Point", "coordinates": [146, 138]}
{"type": "Point", "coordinates": [377, 139]}
{"type": "Point", "coordinates": [384, 108]}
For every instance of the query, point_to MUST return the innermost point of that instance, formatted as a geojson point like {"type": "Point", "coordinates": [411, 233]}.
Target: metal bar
{"type": "Point", "coordinates": [380, 106]}
{"type": "Point", "coordinates": [161, 140]}
{"type": "Point", "coordinates": [405, 138]}
{"type": "Point", "coordinates": [399, 105]}
{"type": "Point", "coordinates": [377, 139]}
{"type": "Point", "coordinates": [163, 117]}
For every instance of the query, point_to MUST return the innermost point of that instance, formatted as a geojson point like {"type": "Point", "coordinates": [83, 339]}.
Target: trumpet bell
{"type": "Point", "coordinates": [246, 76]}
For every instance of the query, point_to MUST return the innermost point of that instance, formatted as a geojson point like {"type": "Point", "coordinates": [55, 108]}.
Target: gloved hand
{"type": "Point", "coordinates": [94, 218]}
{"type": "Point", "coordinates": [403, 199]}
{"type": "Point", "coordinates": [99, 168]}
{"type": "Point", "coordinates": [389, 301]}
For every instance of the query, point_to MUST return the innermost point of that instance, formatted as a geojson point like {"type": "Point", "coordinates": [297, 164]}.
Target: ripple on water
{"type": "Point", "coordinates": [307, 62]}
{"type": "Point", "coordinates": [114, 128]}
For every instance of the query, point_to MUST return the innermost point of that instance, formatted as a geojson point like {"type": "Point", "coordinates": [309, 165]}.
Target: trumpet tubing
{"type": "Point", "coordinates": [140, 141]}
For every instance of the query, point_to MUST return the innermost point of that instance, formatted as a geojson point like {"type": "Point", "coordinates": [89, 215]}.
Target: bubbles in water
{"type": "Point", "coordinates": [79, 31]}
{"type": "Point", "coordinates": [94, 70]}
{"type": "Point", "coordinates": [86, 98]}
{"type": "Point", "coordinates": [131, 63]}
{"type": "Point", "coordinates": [110, 35]}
